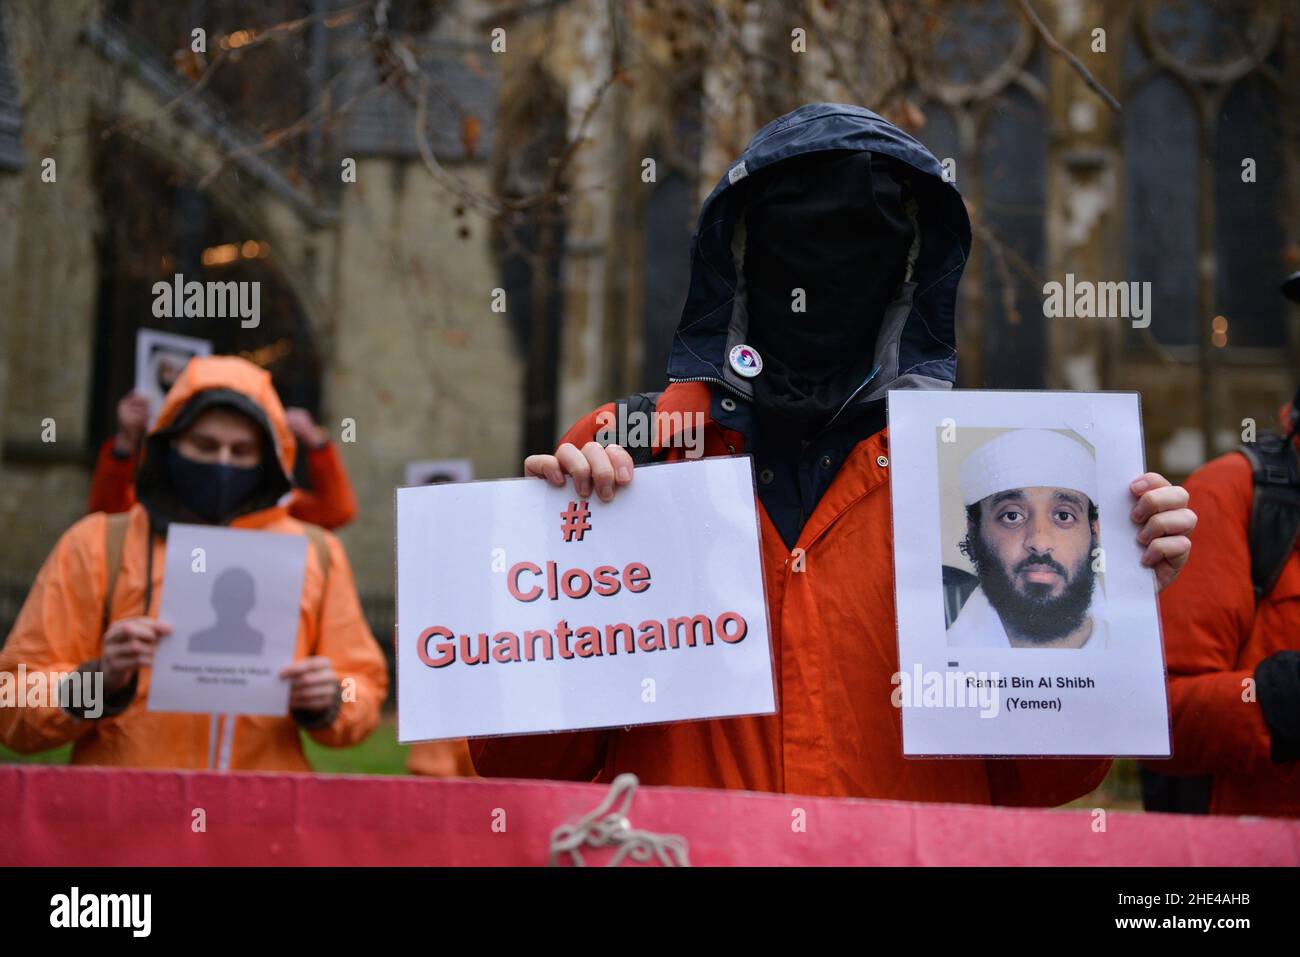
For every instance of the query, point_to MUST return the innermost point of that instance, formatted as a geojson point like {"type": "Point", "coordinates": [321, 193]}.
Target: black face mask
{"type": "Point", "coordinates": [834, 225]}
{"type": "Point", "coordinates": [211, 491]}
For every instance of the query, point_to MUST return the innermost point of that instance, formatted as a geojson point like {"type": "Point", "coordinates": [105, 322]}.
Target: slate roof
{"type": "Point", "coordinates": [463, 83]}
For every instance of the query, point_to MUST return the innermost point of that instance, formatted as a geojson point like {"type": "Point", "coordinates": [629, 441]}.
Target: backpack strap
{"type": "Point", "coordinates": [1275, 509]}
{"type": "Point", "coordinates": [645, 403]}
{"type": "Point", "coordinates": [316, 535]}
{"type": "Point", "coordinates": [114, 540]}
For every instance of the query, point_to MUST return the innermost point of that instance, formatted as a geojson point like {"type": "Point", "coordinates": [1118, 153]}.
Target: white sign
{"type": "Point", "coordinates": [523, 608]}
{"type": "Point", "coordinates": [233, 599]}
{"type": "Point", "coordinates": [438, 471]}
{"type": "Point", "coordinates": [159, 359]}
{"type": "Point", "coordinates": [1026, 622]}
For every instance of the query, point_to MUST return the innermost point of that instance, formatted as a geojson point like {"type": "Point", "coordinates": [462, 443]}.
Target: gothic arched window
{"type": "Point", "coordinates": [984, 99]}
{"type": "Point", "coordinates": [1204, 175]}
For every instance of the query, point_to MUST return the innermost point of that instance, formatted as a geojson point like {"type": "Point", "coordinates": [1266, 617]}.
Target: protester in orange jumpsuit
{"type": "Point", "coordinates": [840, 205]}
{"type": "Point", "coordinates": [221, 453]}
{"type": "Point", "coordinates": [1234, 657]}
{"type": "Point", "coordinates": [329, 503]}
{"type": "Point", "coordinates": [441, 759]}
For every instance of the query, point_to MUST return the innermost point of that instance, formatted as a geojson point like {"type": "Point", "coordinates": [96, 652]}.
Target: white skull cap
{"type": "Point", "coordinates": [1026, 458]}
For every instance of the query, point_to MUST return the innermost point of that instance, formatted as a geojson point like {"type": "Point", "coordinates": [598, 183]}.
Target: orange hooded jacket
{"type": "Point", "coordinates": [1215, 635]}
{"type": "Point", "coordinates": [60, 625]}
{"type": "Point", "coordinates": [329, 503]}
{"type": "Point", "coordinates": [836, 648]}
{"type": "Point", "coordinates": [830, 598]}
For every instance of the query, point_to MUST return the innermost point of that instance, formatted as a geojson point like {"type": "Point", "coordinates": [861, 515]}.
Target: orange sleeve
{"type": "Point", "coordinates": [1045, 782]}
{"type": "Point", "coordinates": [345, 638]}
{"type": "Point", "coordinates": [565, 755]}
{"type": "Point", "coordinates": [57, 629]}
{"type": "Point", "coordinates": [330, 502]}
{"type": "Point", "coordinates": [1207, 616]}
{"type": "Point", "coordinates": [112, 486]}
{"type": "Point", "coordinates": [589, 426]}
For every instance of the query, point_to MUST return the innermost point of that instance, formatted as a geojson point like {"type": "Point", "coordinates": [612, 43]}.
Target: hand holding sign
{"type": "Point", "coordinates": [129, 646]}
{"type": "Point", "coordinates": [313, 684]}
{"type": "Point", "coordinates": [1167, 521]}
{"type": "Point", "coordinates": [132, 421]}
{"type": "Point", "coordinates": [604, 468]}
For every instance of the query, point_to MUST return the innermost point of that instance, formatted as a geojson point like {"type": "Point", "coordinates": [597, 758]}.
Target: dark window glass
{"type": "Point", "coordinates": [1161, 144]}
{"type": "Point", "coordinates": [1013, 174]}
{"type": "Point", "coordinates": [972, 40]}
{"type": "Point", "coordinates": [155, 226]}
{"type": "Point", "coordinates": [1249, 236]}
{"type": "Point", "coordinates": [667, 247]}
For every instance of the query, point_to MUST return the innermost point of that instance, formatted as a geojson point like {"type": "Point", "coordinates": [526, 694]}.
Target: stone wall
{"type": "Point", "coordinates": [418, 358]}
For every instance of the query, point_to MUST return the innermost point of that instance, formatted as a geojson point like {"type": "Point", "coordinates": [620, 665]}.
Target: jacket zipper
{"type": "Point", "coordinates": [708, 378]}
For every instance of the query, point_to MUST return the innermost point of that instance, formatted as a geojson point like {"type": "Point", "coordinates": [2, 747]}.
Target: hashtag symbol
{"type": "Point", "coordinates": [575, 521]}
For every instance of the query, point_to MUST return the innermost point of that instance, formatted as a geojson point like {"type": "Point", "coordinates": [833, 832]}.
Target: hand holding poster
{"type": "Point", "coordinates": [1026, 622]}
{"type": "Point", "coordinates": [523, 608]}
{"type": "Point", "coordinates": [232, 598]}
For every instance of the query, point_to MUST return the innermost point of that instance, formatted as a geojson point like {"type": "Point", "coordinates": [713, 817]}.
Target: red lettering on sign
{"type": "Point", "coordinates": [583, 589]}
{"type": "Point", "coordinates": [605, 580]}
{"type": "Point", "coordinates": [606, 577]}
{"type": "Point", "coordinates": [512, 582]}
{"type": "Point", "coordinates": [636, 574]}
{"type": "Point", "coordinates": [530, 644]}
{"type": "Point", "coordinates": [731, 617]}
{"type": "Point", "coordinates": [447, 649]}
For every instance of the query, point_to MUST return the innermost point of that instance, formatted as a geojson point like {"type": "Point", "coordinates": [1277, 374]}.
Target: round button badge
{"type": "Point", "coordinates": [746, 361]}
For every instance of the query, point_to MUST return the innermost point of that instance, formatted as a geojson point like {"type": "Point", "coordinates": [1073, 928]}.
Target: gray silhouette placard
{"type": "Point", "coordinates": [233, 598]}
{"type": "Point", "coordinates": [234, 595]}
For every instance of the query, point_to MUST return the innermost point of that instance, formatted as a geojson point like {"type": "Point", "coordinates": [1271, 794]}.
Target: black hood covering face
{"type": "Point", "coordinates": [833, 224]}
{"type": "Point", "coordinates": [916, 348]}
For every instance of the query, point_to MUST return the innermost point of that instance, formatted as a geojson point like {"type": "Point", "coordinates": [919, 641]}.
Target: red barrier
{"type": "Point", "coordinates": [96, 816]}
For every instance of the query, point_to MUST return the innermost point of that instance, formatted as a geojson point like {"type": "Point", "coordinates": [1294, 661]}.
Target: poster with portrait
{"type": "Point", "coordinates": [1027, 625]}
{"type": "Point", "coordinates": [159, 359]}
{"type": "Point", "coordinates": [439, 471]}
{"type": "Point", "coordinates": [233, 598]}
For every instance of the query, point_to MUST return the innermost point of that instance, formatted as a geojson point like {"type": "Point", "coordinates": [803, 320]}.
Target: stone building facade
{"type": "Point", "coordinates": [384, 290]}
{"type": "Point", "coordinates": [1194, 187]}
{"type": "Point", "coordinates": [389, 282]}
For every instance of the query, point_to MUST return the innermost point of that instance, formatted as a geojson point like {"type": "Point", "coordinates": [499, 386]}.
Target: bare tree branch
{"type": "Point", "coordinates": [1055, 45]}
